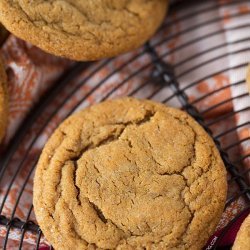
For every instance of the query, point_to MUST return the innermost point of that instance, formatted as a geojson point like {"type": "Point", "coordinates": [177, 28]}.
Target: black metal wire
{"type": "Point", "coordinates": [184, 4]}
{"type": "Point", "coordinates": [39, 232]}
{"type": "Point", "coordinates": [231, 130]}
{"type": "Point", "coordinates": [227, 148]}
{"type": "Point", "coordinates": [247, 171]}
{"type": "Point", "coordinates": [169, 38]}
{"type": "Point", "coordinates": [236, 196]}
{"type": "Point", "coordinates": [242, 175]}
{"type": "Point", "coordinates": [242, 158]}
{"type": "Point", "coordinates": [206, 77]}
{"type": "Point", "coordinates": [216, 91]}
{"type": "Point", "coordinates": [182, 74]}
{"type": "Point", "coordinates": [206, 51]}
{"type": "Point", "coordinates": [200, 80]}
{"type": "Point", "coordinates": [24, 228]}
{"type": "Point", "coordinates": [225, 116]}
{"type": "Point", "coordinates": [223, 103]}
{"type": "Point", "coordinates": [212, 60]}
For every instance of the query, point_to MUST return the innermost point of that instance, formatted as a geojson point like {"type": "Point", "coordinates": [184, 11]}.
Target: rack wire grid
{"type": "Point", "coordinates": [159, 71]}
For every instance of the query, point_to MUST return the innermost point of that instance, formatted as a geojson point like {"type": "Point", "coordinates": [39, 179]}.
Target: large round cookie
{"type": "Point", "coordinates": [83, 29]}
{"type": "Point", "coordinates": [242, 241]}
{"type": "Point", "coordinates": [129, 174]}
{"type": "Point", "coordinates": [3, 101]}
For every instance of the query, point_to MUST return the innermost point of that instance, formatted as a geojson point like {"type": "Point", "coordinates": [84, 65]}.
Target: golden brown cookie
{"type": "Point", "coordinates": [3, 100]}
{"type": "Point", "coordinates": [84, 29]}
{"type": "Point", "coordinates": [242, 241]}
{"type": "Point", "coordinates": [129, 174]}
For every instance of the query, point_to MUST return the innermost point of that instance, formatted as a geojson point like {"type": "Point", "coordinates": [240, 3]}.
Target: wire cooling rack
{"type": "Point", "coordinates": [155, 79]}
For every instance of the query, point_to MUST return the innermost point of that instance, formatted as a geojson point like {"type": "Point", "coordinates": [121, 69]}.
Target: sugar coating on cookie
{"type": "Point", "coordinates": [3, 100]}
{"type": "Point", "coordinates": [242, 241]}
{"type": "Point", "coordinates": [84, 29]}
{"type": "Point", "coordinates": [129, 174]}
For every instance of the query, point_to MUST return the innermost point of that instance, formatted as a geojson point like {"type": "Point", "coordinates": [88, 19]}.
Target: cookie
{"type": "Point", "coordinates": [84, 30]}
{"type": "Point", "coordinates": [242, 241]}
{"type": "Point", "coordinates": [129, 174]}
{"type": "Point", "coordinates": [3, 100]}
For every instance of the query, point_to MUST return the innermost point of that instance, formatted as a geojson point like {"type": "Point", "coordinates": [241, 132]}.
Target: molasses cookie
{"type": "Point", "coordinates": [3, 100]}
{"type": "Point", "coordinates": [242, 241]}
{"type": "Point", "coordinates": [84, 29]}
{"type": "Point", "coordinates": [129, 174]}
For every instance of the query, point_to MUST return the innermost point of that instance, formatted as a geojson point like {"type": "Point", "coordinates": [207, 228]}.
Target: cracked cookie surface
{"type": "Point", "coordinates": [83, 29]}
{"type": "Point", "coordinates": [242, 241]}
{"type": "Point", "coordinates": [3, 100]}
{"type": "Point", "coordinates": [129, 174]}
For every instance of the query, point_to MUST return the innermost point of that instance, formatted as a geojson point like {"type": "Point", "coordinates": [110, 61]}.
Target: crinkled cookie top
{"type": "Point", "coordinates": [83, 29]}
{"type": "Point", "coordinates": [129, 174]}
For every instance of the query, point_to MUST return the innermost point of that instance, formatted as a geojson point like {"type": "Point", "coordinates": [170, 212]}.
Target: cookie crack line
{"type": "Point", "coordinates": [74, 228]}
{"type": "Point", "coordinates": [98, 212]}
{"type": "Point", "coordinates": [74, 181]}
{"type": "Point", "coordinates": [192, 157]}
{"type": "Point", "coordinates": [101, 215]}
{"type": "Point", "coordinates": [187, 205]}
{"type": "Point", "coordinates": [73, 216]}
{"type": "Point", "coordinates": [112, 138]}
{"type": "Point", "coordinates": [147, 118]}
